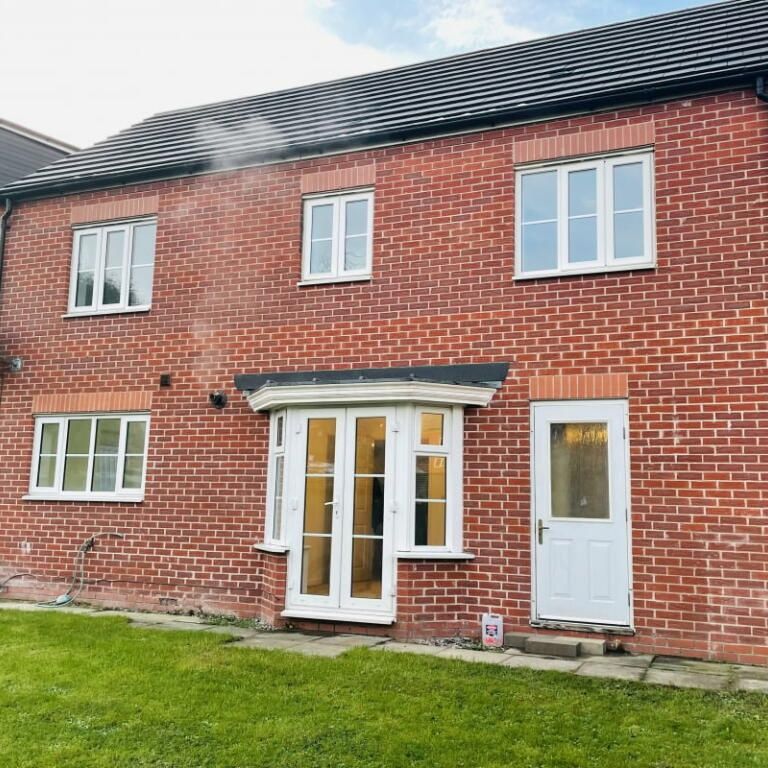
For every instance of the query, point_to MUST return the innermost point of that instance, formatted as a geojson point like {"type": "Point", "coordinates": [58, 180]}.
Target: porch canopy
{"type": "Point", "coordinates": [469, 384]}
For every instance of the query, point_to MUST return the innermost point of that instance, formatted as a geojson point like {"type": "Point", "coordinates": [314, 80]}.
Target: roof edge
{"type": "Point", "coordinates": [38, 137]}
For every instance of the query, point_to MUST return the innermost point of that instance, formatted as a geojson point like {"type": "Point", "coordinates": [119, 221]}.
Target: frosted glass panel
{"type": "Point", "coordinates": [579, 470]}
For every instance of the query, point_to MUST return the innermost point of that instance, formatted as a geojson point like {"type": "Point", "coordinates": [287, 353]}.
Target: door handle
{"type": "Point", "coordinates": [334, 504]}
{"type": "Point", "coordinates": [540, 528]}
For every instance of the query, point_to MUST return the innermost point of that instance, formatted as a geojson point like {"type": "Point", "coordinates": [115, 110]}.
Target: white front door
{"type": "Point", "coordinates": [341, 564]}
{"type": "Point", "coordinates": [580, 487]}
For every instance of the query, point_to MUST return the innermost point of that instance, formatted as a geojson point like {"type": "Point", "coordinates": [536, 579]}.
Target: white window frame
{"type": "Point", "coordinates": [277, 448]}
{"type": "Point", "coordinates": [605, 261]}
{"type": "Point", "coordinates": [405, 448]}
{"type": "Point", "coordinates": [101, 231]}
{"type": "Point", "coordinates": [337, 273]}
{"type": "Point", "coordinates": [56, 493]}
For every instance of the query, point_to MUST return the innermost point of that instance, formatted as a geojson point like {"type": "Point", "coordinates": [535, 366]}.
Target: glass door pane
{"type": "Point", "coordinates": [579, 470]}
{"type": "Point", "coordinates": [319, 506]}
{"type": "Point", "coordinates": [368, 507]}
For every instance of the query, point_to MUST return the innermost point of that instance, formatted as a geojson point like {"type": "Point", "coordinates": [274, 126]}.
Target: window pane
{"type": "Point", "coordinates": [132, 472]}
{"type": "Point", "coordinates": [539, 243]}
{"type": "Point", "coordinates": [355, 252]}
{"type": "Point", "coordinates": [107, 435]}
{"type": "Point", "coordinates": [579, 470]}
{"type": "Point", "coordinates": [279, 422]}
{"type": "Point", "coordinates": [431, 429]}
{"type": "Point", "coordinates": [115, 250]}
{"type": "Point", "coordinates": [75, 473]}
{"type": "Point", "coordinates": [135, 436]}
{"type": "Point", "coordinates": [366, 568]}
{"type": "Point", "coordinates": [627, 186]}
{"type": "Point", "coordinates": [368, 517]}
{"type": "Point", "coordinates": [320, 257]}
{"type": "Point", "coordinates": [140, 294]}
{"type": "Point", "coordinates": [104, 474]}
{"type": "Point", "coordinates": [316, 566]}
{"type": "Point", "coordinates": [628, 236]}
{"type": "Point", "coordinates": [356, 222]}
{"type": "Point", "coordinates": [87, 255]}
{"type": "Point", "coordinates": [318, 506]}
{"type": "Point", "coordinates": [322, 221]}
{"type": "Point", "coordinates": [539, 191]}
{"type": "Point", "coordinates": [582, 239]}
{"type": "Point", "coordinates": [321, 446]}
{"type": "Point", "coordinates": [84, 290]}
{"type": "Point", "coordinates": [430, 524]}
{"type": "Point", "coordinates": [277, 510]}
{"type": "Point", "coordinates": [370, 441]}
{"type": "Point", "coordinates": [143, 244]}
{"type": "Point", "coordinates": [46, 472]}
{"type": "Point", "coordinates": [113, 282]}
{"type": "Point", "coordinates": [49, 438]}
{"type": "Point", "coordinates": [430, 477]}
{"type": "Point", "coordinates": [79, 436]}
{"type": "Point", "coordinates": [582, 192]}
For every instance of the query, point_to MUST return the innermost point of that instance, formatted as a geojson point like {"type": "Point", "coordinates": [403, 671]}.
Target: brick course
{"type": "Point", "coordinates": [688, 340]}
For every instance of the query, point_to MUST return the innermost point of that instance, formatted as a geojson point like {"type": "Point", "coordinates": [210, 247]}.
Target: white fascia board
{"type": "Point", "coordinates": [271, 397]}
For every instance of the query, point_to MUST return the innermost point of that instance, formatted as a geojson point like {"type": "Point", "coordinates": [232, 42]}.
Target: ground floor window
{"type": "Point", "coordinates": [90, 457]}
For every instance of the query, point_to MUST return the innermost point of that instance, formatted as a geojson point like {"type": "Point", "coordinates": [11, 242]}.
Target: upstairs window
{"type": "Point", "coordinates": [90, 458]}
{"type": "Point", "coordinates": [337, 237]}
{"type": "Point", "coordinates": [112, 268]}
{"type": "Point", "coordinates": [588, 216]}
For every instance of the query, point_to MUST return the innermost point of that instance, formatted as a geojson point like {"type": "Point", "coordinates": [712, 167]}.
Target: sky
{"type": "Point", "coordinates": [82, 70]}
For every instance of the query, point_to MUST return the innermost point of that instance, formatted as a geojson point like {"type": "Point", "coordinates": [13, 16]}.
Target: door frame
{"type": "Point", "coordinates": [534, 620]}
{"type": "Point", "coordinates": [350, 609]}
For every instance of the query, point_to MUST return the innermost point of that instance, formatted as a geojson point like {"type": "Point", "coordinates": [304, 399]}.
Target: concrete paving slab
{"type": "Point", "coordinates": [748, 671]}
{"type": "Point", "coordinates": [751, 684]}
{"type": "Point", "coordinates": [277, 640]}
{"type": "Point", "coordinates": [242, 632]}
{"type": "Point", "coordinates": [542, 663]}
{"type": "Point", "coordinates": [422, 649]}
{"type": "Point", "coordinates": [611, 671]}
{"type": "Point", "coordinates": [685, 679]}
{"type": "Point", "coordinates": [352, 641]}
{"type": "Point", "coordinates": [621, 660]}
{"type": "Point", "coordinates": [675, 664]}
{"type": "Point", "coordinates": [466, 654]}
{"type": "Point", "coordinates": [317, 649]}
{"type": "Point", "coordinates": [171, 626]}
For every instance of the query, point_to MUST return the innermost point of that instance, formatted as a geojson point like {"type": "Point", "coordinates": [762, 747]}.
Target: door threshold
{"type": "Point", "coordinates": [353, 617]}
{"type": "Point", "coordinates": [577, 626]}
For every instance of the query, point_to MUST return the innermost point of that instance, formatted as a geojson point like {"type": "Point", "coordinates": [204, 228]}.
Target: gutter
{"type": "Point", "coordinates": [3, 224]}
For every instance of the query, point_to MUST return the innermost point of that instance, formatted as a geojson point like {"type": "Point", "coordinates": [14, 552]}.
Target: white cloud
{"type": "Point", "coordinates": [464, 24]}
{"type": "Point", "coordinates": [81, 70]}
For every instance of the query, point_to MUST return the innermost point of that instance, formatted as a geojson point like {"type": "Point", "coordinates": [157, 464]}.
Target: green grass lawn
{"type": "Point", "coordinates": [79, 691]}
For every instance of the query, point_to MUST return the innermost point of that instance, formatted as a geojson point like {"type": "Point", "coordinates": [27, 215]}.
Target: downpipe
{"type": "Point", "coordinates": [3, 226]}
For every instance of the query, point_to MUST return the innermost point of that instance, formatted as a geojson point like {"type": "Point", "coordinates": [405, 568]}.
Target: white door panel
{"type": "Point", "coordinates": [581, 545]}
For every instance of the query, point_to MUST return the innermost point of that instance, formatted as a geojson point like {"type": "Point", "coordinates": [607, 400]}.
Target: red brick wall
{"type": "Point", "coordinates": [689, 336]}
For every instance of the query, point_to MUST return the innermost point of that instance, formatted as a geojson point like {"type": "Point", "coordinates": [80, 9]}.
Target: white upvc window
{"type": "Point", "coordinates": [274, 532]}
{"type": "Point", "coordinates": [112, 267]}
{"type": "Point", "coordinates": [435, 471]}
{"type": "Point", "coordinates": [594, 215]}
{"type": "Point", "coordinates": [338, 235]}
{"type": "Point", "coordinates": [90, 457]}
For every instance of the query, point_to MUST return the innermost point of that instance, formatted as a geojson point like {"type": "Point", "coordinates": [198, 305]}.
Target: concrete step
{"type": "Point", "coordinates": [542, 645]}
{"type": "Point", "coordinates": [549, 645]}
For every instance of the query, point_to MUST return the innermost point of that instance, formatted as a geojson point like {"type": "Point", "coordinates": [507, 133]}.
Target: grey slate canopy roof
{"type": "Point", "coordinates": [468, 374]}
{"type": "Point", "coordinates": [23, 151]}
{"type": "Point", "coordinates": [693, 50]}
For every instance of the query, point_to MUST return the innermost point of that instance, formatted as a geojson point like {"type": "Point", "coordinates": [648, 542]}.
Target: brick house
{"type": "Point", "coordinates": [381, 354]}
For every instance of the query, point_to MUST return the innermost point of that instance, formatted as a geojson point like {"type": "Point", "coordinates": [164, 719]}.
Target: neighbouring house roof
{"type": "Point", "coordinates": [689, 51]}
{"type": "Point", "coordinates": [23, 150]}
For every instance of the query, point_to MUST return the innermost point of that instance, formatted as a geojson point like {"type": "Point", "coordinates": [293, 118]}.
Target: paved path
{"type": "Point", "coordinates": [662, 670]}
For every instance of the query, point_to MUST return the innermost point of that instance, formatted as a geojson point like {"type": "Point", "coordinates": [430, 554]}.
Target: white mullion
{"type": "Point", "coordinates": [337, 238]}
{"type": "Point", "coordinates": [91, 452]}
{"type": "Point", "coordinates": [98, 277]}
{"type": "Point", "coordinates": [125, 290]}
{"type": "Point", "coordinates": [61, 449]}
{"type": "Point", "coordinates": [121, 451]}
{"type": "Point", "coordinates": [562, 218]}
{"type": "Point", "coordinates": [600, 213]}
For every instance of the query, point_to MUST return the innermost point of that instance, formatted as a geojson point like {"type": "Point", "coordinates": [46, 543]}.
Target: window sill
{"type": "Point", "coordinates": [331, 280]}
{"type": "Point", "coordinates": [275, 549]}
{"type": "Point", "coordinates": [132, 498]}
{"type": "Point", "coordinates": [352, 616]}
{"type": "Point", "coordinates": [99, 312]}
{"type": "Point", "coordinates": [415, 555]}
{"type": "Point", "coordinates": [601, 269]}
